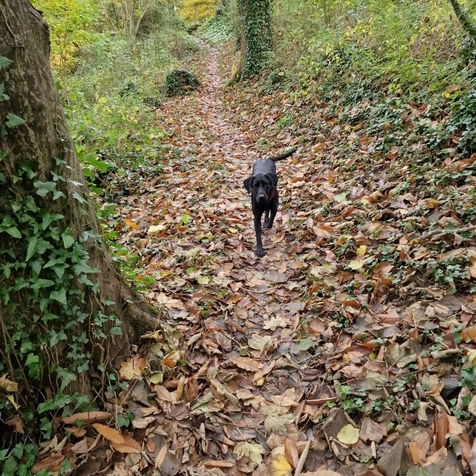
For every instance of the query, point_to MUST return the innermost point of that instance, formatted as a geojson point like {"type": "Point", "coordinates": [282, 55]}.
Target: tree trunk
{"type": "Point", "coordinates": [256, 15]}
{"type": "Point", "coordinates": [465, 21]}
{"type": "Point", "coordinates": [60, 320]}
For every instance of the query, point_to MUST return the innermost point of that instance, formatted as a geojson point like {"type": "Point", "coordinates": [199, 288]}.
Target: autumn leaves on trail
{"type": "Point", "coordinates": [326, 354]}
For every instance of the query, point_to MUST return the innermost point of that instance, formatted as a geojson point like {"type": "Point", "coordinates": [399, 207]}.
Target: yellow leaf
{"type": "Point", "coordinates": [13, 402]}
{"type": "Point", "coordinates": [431, 203]}
{"type": "Point", "coordinates": [86, 417]}
{"type": "Point", "coordinates": [348, 435]}
{"type": "Point", "coordinates": [130, 446]}
{"type": "Point", "coordinates": [361, 250]}
{"type": "Point", "coordinates": [133, 225]}
{"type": "Point", "coordinates": [280, 466]}
{"type": "Point", "coordinates": [232, 230]}
{"type": "Point", "coordinates": [356, 264]}
{"type": "Point", "coordinates": [203, 280]}
{"type": "Point", "coordinates": [246, 363]}
{"type": "Point", "coordinates": [161, 456]}
{"type": "Point", "coordinates": [157, 377]}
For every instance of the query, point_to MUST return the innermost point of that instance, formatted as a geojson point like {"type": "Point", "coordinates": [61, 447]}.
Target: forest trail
{"type": "Point", "coordinates": [229, 323]}
{"type": "Point", "coordinates": [258, 365]}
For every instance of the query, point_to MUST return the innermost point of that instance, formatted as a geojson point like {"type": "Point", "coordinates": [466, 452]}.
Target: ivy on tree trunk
{"type": "Point", "coordinates": [256, 24]}
{"type": "Point", "coordinates": [64, 313]}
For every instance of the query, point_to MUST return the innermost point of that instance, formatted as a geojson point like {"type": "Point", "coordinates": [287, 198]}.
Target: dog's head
{"type": "Point", "coordinates": [261, 186]}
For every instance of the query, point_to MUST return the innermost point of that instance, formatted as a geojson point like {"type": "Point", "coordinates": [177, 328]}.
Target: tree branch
{"type": "Point", "coordinates": [464, 19]}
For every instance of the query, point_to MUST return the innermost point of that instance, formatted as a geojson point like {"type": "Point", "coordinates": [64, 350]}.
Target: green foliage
{"type": "Point", "coordinates": [179, 82]}
{"type": "Point", "coordinates": [45, 279]}
{"type": "Point", "coordinates": [464, 120]}
{"type": "Point", "coordinates": [370, 59]}
{"type": "Point", "coordinates": [218, 29]}
{"type": "Point", "coordinates": [108, 102]}
{"type": "Point", "coordinates": [73, 24]}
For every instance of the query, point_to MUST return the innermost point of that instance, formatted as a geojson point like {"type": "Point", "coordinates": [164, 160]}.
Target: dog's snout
{"type": "Point", "coordinates": [261, 197]}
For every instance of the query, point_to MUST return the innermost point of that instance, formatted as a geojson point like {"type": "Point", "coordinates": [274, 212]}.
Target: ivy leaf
{"type": "Point", "coordinates": [32, 245]}
{"type": "Point", "coordinates": [13, 120]}
{"type": "Point", "coordinates": [3, 96]}
{"type": "Point", "coordinates": [66, 377]}
{"type": "Point", "coordinates": [78, 197]}
{"type": "Point", "coordinates": [10, 466]}
{"type": "Point", "coordinates": [32, 359]}
{"type": "Point", "coordinates": [68, 240]}
{"type": "Point", "coordinates": [13, 231]}
{"type": "Point", "coordinates": [49, 218]}
{"type": "Point", "coordinates": [4, 62]}
{"type": "Point", "coordinates": [82, 267]}
{"type": "Point", "coordinates": [59, 296]}
{"type": "Point", "coordinates": [43, 188]}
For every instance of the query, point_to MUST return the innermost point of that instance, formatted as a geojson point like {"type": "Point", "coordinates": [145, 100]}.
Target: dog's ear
{"type": "Point", "coordinates": [273, 178]}
{"type": "Point", "coordinates": [248, 183]}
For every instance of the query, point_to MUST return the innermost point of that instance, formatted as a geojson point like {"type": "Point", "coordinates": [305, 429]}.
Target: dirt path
{"type": "Point", "coordinates": [257, 366]}
{"type": "Point", "coordinates": [230, 346]}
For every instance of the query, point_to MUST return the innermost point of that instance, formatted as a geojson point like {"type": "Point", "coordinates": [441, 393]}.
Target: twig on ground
{"type": "Point", "coordinates": [444, 232]}
{"type": "Point", "coordinates": [302, 459]}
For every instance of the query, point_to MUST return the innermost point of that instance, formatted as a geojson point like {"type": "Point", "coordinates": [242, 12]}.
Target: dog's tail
{"type": "Point", "coordinates": [284, 156]}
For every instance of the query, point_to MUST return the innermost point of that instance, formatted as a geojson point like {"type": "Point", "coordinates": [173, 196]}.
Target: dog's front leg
{"type": "Point", "coordinates": [269, 221]}
{"type": "Point", "coordinates": [259, 243]}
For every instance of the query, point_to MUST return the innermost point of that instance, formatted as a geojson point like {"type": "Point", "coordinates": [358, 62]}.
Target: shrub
{"type": "Point", "coordinates": [179, 82]}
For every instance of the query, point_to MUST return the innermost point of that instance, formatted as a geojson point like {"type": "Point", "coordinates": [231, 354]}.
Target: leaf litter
{"type": "Point", "coordinates": [342, 351]}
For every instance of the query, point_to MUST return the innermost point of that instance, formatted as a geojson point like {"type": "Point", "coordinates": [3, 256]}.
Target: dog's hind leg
{"type": "Point", "coordinates": [266, 219]}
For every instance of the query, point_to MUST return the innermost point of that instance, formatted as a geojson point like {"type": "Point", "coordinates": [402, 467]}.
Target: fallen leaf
{"type": "Point", "coordinates": [110, 434]}
{"type": "Point", "coordinates": [279, 466]}
{"type": "Point", "coordinates": [246, 363]}
{"type": "Point", "coordinates": [348, 435]}
{"type": "Point", "coordinates": [86, 417]}
{"type": "Point", "coordinates": [275, 423]}
{"type": "Point", "coordinates": [253, 451]}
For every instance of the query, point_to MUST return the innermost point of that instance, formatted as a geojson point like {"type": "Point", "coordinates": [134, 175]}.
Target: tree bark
{"type": "Point", "coordinates": [465, 21]}
{"type": "Point", "coordinates": [43, 140]}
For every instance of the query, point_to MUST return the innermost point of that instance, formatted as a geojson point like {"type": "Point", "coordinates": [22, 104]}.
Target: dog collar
{"type": "Point", "coordinates": [272, 195]}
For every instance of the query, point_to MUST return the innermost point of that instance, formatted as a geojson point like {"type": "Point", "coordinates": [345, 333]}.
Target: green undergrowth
{"type": "Point", "coordinates": [111, 78]}
{"type": "Point", "coordinates": [111, 73]}
{"type": "Point", "coordinates": [373, 62]}
{"type": "Point", "coordinates": [220, 28]}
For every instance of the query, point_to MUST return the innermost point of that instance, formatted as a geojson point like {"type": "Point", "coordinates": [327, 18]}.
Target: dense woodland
{"type": "Point", "coordinates": [139, 331]}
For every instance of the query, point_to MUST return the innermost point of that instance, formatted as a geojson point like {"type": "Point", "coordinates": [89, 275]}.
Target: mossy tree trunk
{"type": "Point", "coordinates": [64, 314]}
{"type": "Point", "coordinates": [256, 38]}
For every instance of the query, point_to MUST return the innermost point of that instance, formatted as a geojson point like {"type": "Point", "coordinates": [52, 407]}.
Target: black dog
{"type": "Point", "coordinates": [264, 194]}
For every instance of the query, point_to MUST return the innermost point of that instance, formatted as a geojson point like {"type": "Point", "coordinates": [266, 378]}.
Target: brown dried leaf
{"type": "Point", "coordinates": [86, 417]}
{"type": "Point", "coordinates": [110, 434]}
{"type": "Point", "coordinates": [246, 363]}
{"type": "Point", "coordinates": [8, 385]}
